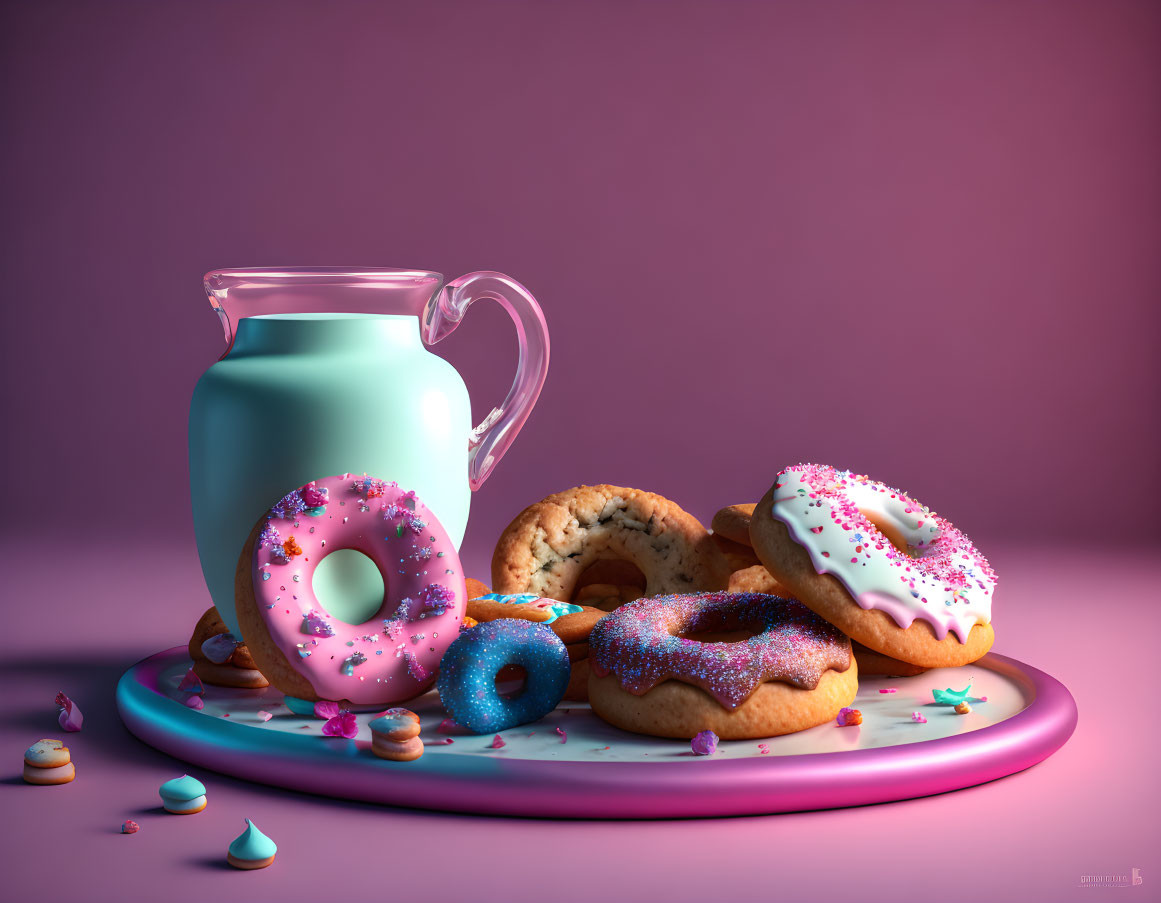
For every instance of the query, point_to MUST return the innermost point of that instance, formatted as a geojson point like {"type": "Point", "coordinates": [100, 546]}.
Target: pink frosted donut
{"type": "Point", "coordinates": [306, 651]}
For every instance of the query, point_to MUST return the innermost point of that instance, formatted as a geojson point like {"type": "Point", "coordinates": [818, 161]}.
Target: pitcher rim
{"type": "Point", "coordinates": [217, 279]}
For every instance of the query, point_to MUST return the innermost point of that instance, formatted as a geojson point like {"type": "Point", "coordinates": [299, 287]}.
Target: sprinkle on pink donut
{"type": "Point", "coordinates": [837, 517]}
{"type": "Point", "coordinates": [393, 656]}
{"type": "Point", "coordinates": [643, 644]}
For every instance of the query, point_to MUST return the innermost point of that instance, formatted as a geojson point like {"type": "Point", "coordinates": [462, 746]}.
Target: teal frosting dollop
{"type": "Point", "coordinates": [183, 788]}
{"type": "Point", "coordinates": [557, 609]}
{"type": "Point", "coordinates": [950, 696]}
{"type": "Point", "coordinates": [252, 844]}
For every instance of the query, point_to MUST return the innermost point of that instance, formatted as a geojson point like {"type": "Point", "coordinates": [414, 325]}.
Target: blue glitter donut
{"type": "Point", "coordinates": [467, 674]}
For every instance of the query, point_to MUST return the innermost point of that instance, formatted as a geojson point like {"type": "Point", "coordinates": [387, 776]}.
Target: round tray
{"type": "Point", "coordinates": [588, 769]}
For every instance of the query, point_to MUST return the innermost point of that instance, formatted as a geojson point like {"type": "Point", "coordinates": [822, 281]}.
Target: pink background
{"type": "Point", "coordinates": [915, 239]}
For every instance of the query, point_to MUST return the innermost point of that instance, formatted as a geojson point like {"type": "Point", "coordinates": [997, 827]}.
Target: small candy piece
{"type": "Point", "coordinates": [497, 742]}
{"type": "Point", "coordinates": [442, 741]}
{"type": "Point", "coordinates": [918, 718]}
{"type": "Point", "coordinates": [219, 649]}
{"type": "Point", "coordinates": [130, 827]}
{"type": "Point", "coordinates": [195, 702]}
{"type": "Point", "coordinates": [889, 690]}
{"type": "Point", "coordinates": [704, 744]}
{"type": "Point", "coordinates": [69, 717]}
{"type": "Point", "coordinates": [848, 717]}
{"type": "Point", "coordinates": [264, 715]}
{"type": "Point", "coordinates": [950, 696]}
{"type": "Point", "coordinates": [183, 796]}
{"type": "Point", "coordinates": [563, 734]}
{"type": "Point", "coordinates": [963, 709]}
{"type": "Point", "coordinates": [342, 725]}
{"type": "Point", "coordinates": [447, 726]}
{"type": "Point", "coordinates": [251, 849]}
{"type": "Point", "coordinates": [191, 683]}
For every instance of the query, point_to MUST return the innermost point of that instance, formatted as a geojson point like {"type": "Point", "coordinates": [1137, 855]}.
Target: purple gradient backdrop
{"type": "Point", "coordinates": [957, 205]}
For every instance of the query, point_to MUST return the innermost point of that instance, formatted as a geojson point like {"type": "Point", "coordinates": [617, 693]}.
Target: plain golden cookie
{"type": "Point", "coordinates": [757, 579]}
{"type": "Point", "coordinates": [733, 523]}
{"type": "Point", "coordinates": [739, 556]}
{"type": "Point", "coordinates": [550, 545]}
{"type": "Point", "coordinates": [824, 595]}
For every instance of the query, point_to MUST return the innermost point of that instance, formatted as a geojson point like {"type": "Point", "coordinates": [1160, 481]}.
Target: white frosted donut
{"type": "Point", "coordinates": [891, 552]}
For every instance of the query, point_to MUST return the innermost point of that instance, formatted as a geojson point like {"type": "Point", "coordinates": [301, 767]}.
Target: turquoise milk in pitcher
{"type": "Point", "coordinates": [326, 371]}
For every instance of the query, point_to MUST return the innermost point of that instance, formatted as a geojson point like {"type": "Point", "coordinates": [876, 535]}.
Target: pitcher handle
{"type": "Point", "coordinates": [490, 440]}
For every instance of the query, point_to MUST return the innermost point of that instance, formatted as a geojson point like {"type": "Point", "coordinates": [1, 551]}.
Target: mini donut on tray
{"type": "Point", "coordinates": [571, 623]}
{"type": "Point", "coordinates": [742, 665]}
{"type": "Point", "coordinates": [882, 567]}
{"type": "Point", "coordinates": [641, 541]}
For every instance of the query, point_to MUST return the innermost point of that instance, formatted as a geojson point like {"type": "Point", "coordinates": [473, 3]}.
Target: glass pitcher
{"type": "Point", "coordinates": [326, 371]}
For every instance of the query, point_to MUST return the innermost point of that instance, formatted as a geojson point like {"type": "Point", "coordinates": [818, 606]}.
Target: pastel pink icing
{"type": "Point", "coordinates": [393, 656]}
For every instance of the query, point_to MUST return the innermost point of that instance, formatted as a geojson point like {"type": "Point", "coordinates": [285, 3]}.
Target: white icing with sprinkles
{"type": "Point", "coordinates": [938, 576]}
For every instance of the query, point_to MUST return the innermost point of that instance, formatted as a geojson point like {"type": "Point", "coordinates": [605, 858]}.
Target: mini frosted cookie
{"type": "Point", "coordinates": [220, 658]}
{"type": "Point", "coordinates": [757, 579]}
{"type": "Point", "coordinates": [733, 523]}
{"type": "Point", "coordinates": [48, 762]}
{"type": "Point", "coordinates": [395, 735]}
{"type": "Point", "coordinates": [550, 545]}
{"type": "Point", "coordinates": [251, 849]}
{"type": "Point", "coordinates": [183, 796]}
{"type": "Point", "coordinates": [741, 665]}
{"type": "Point", "coordinates": [572, 623]}
{"type": "Point", "coordinates": [880, 566]}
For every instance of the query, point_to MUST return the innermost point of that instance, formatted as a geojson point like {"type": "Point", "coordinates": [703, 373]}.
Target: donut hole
{"type": "Point", "coordinates": [891, 532]}
{"type": "Point", "coordinates": [739, 635]}
{"type": "Point", "coordinates": [348, 585]}
{"type": "Point", "coordinates": [510, 681]}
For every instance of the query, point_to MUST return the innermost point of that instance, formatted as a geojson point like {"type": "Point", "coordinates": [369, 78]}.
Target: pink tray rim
{"type": "Point", "coordinates": [569, 789]}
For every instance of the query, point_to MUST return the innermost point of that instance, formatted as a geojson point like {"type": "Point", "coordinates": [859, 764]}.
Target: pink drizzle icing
{"type": "Point", "coordinates": [642, 643]}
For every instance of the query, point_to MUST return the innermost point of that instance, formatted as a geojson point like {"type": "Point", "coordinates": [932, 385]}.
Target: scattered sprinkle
{"type": "Point", "coordinates": [704, 744]}
{"type": "Point", "coordinates": [889, 690]}
{"type": "Point", "coordinates": [950, 696]}
{"type": "Point", "coordinates": [497, 742]}
{"type": "Point", "coordinates": [918, 718]}
{"type": "Point", "coordinates": [69, 716]}
{"type": "Point", "coordinates": [195, 702]}
{"type": "Point", "coordinates": [129, 826]}
{"type": "Point", "coordinates": [563, 734]}
{"type": "Point", "coordinates": [191, 683]}
{"type": "Point", "coordinates": [264, 715]}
